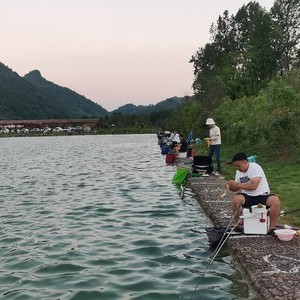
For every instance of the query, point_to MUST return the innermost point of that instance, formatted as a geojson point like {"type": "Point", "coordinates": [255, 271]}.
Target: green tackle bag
{"type": "Point", "coordinates": [180, 175]}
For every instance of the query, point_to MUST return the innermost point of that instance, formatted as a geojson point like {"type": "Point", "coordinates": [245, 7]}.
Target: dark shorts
{"type": "Point", "coordinates": [254, 200]}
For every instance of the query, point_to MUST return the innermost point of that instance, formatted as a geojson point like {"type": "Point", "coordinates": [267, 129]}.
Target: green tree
{"type": "Point", "coordinates": [269, 120]}
{"type": "Point", "coordinates": [240, 60]}
{"type": "Point", "coordinates": [256, 63]}
{"type": "Point", "coordinates": [286, 17]}
{"type": "Point", "coordinates": [213, 66]}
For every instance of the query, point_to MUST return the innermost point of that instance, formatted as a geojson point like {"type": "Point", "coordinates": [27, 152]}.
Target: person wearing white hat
{"type": "Point", "coordinates": [214, 140]}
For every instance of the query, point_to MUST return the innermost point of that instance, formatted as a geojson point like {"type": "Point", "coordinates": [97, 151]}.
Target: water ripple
{"type": "Point", "coordinates": [97, 217]}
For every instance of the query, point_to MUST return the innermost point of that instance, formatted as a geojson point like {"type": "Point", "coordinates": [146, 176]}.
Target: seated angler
{"type": "Point", "coordinates": [181, 148]}
{"type": "Point", "coordinates": [253, 188]}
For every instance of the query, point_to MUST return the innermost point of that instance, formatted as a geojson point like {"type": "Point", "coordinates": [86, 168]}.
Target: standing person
{"type": "Point", "coordinates": [214, 140]}
{"type": "Point", "coordinates": [251, 180]}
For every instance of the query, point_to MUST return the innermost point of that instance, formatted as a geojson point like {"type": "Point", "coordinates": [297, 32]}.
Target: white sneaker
{"type": "Point", "coordinates": [217, 173]}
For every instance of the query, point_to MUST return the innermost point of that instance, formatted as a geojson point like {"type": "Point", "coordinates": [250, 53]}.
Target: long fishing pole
{"type": "Point", "coordinates": [283, 213]}
{"type": "Point", "coordinates": [214, 256]}
{"type": "Point", "coordinates": [227, 227]}
{"type": "Point", "coordinates": [222, 241]}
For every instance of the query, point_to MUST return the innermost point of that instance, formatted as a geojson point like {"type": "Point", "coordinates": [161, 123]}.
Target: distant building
{"type": "Point", "coordinates": [51, 123]}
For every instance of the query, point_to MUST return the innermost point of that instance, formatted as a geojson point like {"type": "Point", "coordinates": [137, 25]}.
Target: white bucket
{"type": "Point", "coordinates": [256, 222]}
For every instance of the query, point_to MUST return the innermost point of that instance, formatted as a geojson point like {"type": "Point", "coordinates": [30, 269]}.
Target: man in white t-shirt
{"type": "Point", "coordinates": [214, 140]}
{"type": "Point", "coordinates": [251, 181]}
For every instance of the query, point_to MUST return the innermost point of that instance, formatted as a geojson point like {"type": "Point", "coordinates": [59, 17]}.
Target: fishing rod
{"type": "Point", "coordinates": [224, 240]}
{"type": "Point", "coordinates": [283, 213]}
{"type": "Point", "coordinates": [227, 227]}
{"type": "Point", "coordinates": [221, 243]}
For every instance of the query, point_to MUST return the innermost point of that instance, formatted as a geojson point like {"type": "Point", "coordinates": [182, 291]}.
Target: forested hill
{"type": "Point", "coordinates": [33, 97]}
{"type": "Point", "coordinates": [72, 104]}
{"type": "Point", "coordinates": [168, 104]}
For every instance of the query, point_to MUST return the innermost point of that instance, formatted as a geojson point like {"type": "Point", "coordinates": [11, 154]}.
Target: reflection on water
{"type": "Point", "coordinates": [96, 217]}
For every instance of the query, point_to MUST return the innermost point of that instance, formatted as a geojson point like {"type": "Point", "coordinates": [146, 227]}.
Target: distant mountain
{"type": "Point", "coordinates": [21, 100]}
{"type": "Point", "coordinates": [33, 97]}
{"type": "Point", "coordinates": [131, 109]}
{"type": "Point", "coordinates": [72, 104]}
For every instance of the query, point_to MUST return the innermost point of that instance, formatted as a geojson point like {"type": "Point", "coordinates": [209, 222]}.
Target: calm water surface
{"type": "Point", "coordinates": [97, 217]}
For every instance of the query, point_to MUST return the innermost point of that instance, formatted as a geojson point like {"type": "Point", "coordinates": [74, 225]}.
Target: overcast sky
{"type": "Point", "coordinates": [113, 52]}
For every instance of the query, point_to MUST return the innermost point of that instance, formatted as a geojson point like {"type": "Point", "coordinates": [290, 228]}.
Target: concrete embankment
{"type": "Point", "coordinates": [271, 266]}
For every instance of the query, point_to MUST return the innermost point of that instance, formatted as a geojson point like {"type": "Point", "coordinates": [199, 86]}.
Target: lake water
{"type": "Point", "coordinates": [97, 217]}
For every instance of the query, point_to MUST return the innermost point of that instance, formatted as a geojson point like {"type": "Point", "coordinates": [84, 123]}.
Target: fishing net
{"type": "Point", "coordinates": [215, 235]}
{"type": "Point", "coordinates": [180, 175]}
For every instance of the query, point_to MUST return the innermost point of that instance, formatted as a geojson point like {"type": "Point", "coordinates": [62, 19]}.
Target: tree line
{"type": "Point", "coordinates": [248, 78]}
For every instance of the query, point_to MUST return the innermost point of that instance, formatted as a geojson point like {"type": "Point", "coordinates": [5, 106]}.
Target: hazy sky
{"type": "Point", "coordinates": [113, 52]}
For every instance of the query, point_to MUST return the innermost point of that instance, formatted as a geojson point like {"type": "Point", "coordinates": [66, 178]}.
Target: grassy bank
{"type": "Point", "coordinates": [283, 174]}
